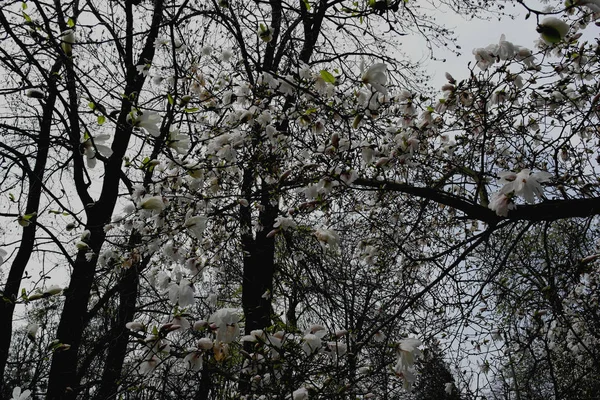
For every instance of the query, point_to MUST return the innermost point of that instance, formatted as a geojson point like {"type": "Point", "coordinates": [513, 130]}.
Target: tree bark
{"type": "Point", "coordinates": [35, 177]}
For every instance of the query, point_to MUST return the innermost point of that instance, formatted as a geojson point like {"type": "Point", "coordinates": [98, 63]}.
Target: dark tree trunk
{"type": "Point", "coordinates": [119, 337]}
{"type": "Point", "coordinates": [35, 177]}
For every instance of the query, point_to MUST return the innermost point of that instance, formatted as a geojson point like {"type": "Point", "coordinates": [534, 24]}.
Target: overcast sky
{"type": "Point", "coordinates": [471, 34]}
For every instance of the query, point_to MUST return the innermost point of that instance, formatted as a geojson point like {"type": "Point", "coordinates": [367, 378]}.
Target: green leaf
{"type": "Point", "coordinates": [70, 23]}
{"type": "Point", "coordinates": [327, 77]}
{"type": "Point", "coordinates": [92, 105]}
{"type": "Point", "coordinates": [101, 119]}
{"type": "Point", "coordinates": [170, 98]}
{"type": "Point", "coordinates": [27, 17]}
{"type": "Point", "coordinates": [11, 197]}
{"type": "Point", "coordinates": [28, 217]}
{"type": "Point", "coordinates": [24, 6]}
{"type": "Point", "coordinates": [54, 212]}
{"type": "Point", "coordinates": [192, 110]}
{"type": "Point", "coordinates": [306, 4]}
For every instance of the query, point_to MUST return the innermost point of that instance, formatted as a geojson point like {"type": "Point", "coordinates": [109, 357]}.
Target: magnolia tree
{"type": "Point", "coordinates": [259, 201]}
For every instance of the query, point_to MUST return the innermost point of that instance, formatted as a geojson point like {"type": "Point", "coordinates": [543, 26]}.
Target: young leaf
{"type": "Point", "coordinates": [327, 77]}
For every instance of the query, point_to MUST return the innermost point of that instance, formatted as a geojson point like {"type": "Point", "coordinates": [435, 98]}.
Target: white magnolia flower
{"type": "Point", "coordinates": [196, 225]}
{"type": "Point", "coordinates": [327, 236]}
{"type": "Point", "coordinates": [94, 145]}
{"type": "Point", "coordinates": [154, 203]}
{"type": "Point", "coordinates": [135, 326]}
{"type": "Point", "coordinates": [593, 5]}
{"type": "Point", "coordinates": [161, 42]}
{"type": "Point", "coordinates": [406, 353]}
{"type": "Point", "coordinates": [376, 77]}
{"type": "Point", "coordinates": [226, 324]}
{"type": "Point", "coordinates": [524, 184]}
{"type": "Point", "coordinates": [553, 30]}
{"type": "Point", "coordinates": [194, 361]}
{"type": "Point", "coordinates": [147, 120]}
{"type": "Point", "coordinates": [182, 293]}
{"type": "Point", "coordinates": [17, 394]}
{"type": "Point", "coordinates": [338, 349]}
{"type": "Point", "coordinates": [181, 322]}
{"type": "Point", "coordinates": [485, 57]}
{"type": "Point", "coordinates": [284, 223]}
{"type": "Point", "coordinates": [148, 366]}
{"type": "Point", "coordinates": [506, 50]}
{"type": "Point", "coordinates": [310, 343]}
{"type": "Point", "coordinates": [178, 142]}
{"type": "Point", "coordinates": [32, 330]}
{"type": "Point", "coordinates": [501, 204]}
{"type": "Point", "coordinates": [205, 343]}
{"type": "Point", "coordinates": [143, 69]}
{"type": "Point", "coordinates": [300, 394]}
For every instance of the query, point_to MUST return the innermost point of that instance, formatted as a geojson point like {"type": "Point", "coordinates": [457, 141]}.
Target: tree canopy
{"type": "Point", "coordinates": [265, 200]}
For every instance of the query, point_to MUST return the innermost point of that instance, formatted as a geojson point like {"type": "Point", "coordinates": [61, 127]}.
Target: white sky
{"type": "Point", "coordinates": [471, 34]}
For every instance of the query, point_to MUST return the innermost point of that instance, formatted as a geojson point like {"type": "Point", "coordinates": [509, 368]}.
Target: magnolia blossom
{"type": "Point", "coordinates": [300, 394]}
{"type": "Point", "coordinates": [284, 223]}
{"type": "Point", "coordinates": [178, 142]}
{"type": "Point", "coordinates": [205, 343]}
{"type": "Point", "coordinates": [406, 353]}
{"type": "Point", "coordinates": [154, 203]}
{"type": "Point", "coordinates": [311, 343]}
{"type": "Point", "coordinates": [182, 293]}
{"type": "Point", "coordinates": [225, 322]}
{"type": "Point", "coordinates": [194, 361]}
{"type": "Point", "coordinates": [501, 204]}
{"type": "Point", "coordinates": [148, 366]}
{"type": "Point", "coordinates": [196, 225]}
{"type": "Point", "coordinates": [524, 184]}
{"type": "Point", "coordinates": [327, 236]}
{"type": "Point", "coordinates": [337, 349]}
{"type": "Point", "coordinates": [17, 394]}
{"type": "Point", "coordinates": [376, 77]}
{"type": "Point", "coordinates": [485, 57]}
{"type": "Point", "coordinates": [94, 145]}
{"type": "Point", "coordinates": [135, 326]}
{"type": "Point", "coordinates": [506, 50]}
{"type": "Point", "coordinates": [553, 30]}
{"type": "Point", "coordinates": [32, 330]}
{"type": "Point", "coordinates": [181, 322]}
{"type": "Point", "coordinates": [147, 120]}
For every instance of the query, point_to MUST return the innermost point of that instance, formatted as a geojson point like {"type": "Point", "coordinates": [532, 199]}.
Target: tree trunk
{"type": "Point", "coordinates": [35, 177]}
